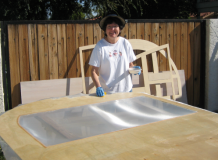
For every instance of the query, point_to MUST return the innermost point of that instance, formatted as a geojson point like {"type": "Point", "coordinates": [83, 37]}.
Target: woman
{"type": "Point", "coordinates": [111, 58]}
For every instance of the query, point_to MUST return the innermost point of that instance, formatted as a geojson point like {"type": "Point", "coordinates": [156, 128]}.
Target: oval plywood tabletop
{"type": "Point", "coordinates": [191, 136]}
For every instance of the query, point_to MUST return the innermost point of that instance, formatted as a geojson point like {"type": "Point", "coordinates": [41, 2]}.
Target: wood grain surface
{"type": "Point", "coordinates": [194, 136]}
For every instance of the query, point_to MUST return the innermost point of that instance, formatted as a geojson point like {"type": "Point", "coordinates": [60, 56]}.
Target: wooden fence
{"type": "Point", "coordinates": [49, 50]}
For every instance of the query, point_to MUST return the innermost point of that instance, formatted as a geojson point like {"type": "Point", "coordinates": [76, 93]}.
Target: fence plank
{"type": "Point", "coordinates": [79, 42]}
{"type": "Point", "coordinates": [140, 34]}
{"type": "Point", "coordinates": [125, 32]}
{"type": "Point", "coordinates": [62, 53]}
{"type": "Point", "coordinates": [147, 37]}
{"type": "Point", "coordinates": [140, 28]}
{"type": "Point", "coordinates": [43, 51]}
{"type": "Point", "coordinates": [23, 52]}
{"type": "Point", "coordinates": [52, 50]}
{"type": "Point", "coordinates": [132, 30]}
{"type": "Point", "coordinates": [176, 50]}
{"type": "Point", "coordinates": [184, 48]}
{"type": "Point", "coordinates": [155, 33]}
{"type": "Point", "coordinates": [71, 50]}
{"type": "Point", "coordinates": [163, 40]}
{"type": "Point", "coordinates": [89, 39]}
{"type": "Point", "coordinates": [170, 40]}
{"type": "Point", "coordinates": [14, 64]}
{"type": "Point", "coordinates": [97, 33]}
{"type": "Point", "coordinates": [196, 65]}
{"type": "Point", "coordinates": [132, 34]}
{"type": "Point", "coordinates": [148, 31]}
{"type": "Point", "coordinates": [33, 52]}
{"type": "Point", "coordinates": [36, 54]}
{"type": "Point", "coordinates": [189, 81]}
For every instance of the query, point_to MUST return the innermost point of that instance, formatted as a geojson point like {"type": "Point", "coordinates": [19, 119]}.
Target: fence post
{"type": "Point", "coordinates": [203, 64]}
{"type": "Point", "coordinates": [2, 108]}
{"type": "Point", "coordinates": [5, 67]}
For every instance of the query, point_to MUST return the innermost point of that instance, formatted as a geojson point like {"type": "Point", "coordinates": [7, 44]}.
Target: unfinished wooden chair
{"type": "Point", "coordinates": [149, 78]}
{"type": "Point", "coordinates": [156, 78]}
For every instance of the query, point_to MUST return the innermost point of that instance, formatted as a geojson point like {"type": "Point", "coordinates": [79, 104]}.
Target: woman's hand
{"type": "Point", "coordinates": [138, 67]}
{"type": "Point", "coordinates": [100, 92]}
{"type": "Point", "coordinates": [94, 75]}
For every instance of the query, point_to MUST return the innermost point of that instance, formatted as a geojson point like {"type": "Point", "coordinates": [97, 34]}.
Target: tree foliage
{"type": "Point", "coordinates": [66, 9]}
{"type": "Point", "coordinates": [146, 9]}
{"type": "Point", "coordinates": [41, 10]}
{"type": "Point", "coordinates": [75, 9]}
{"type": "Point", "coordinates": [23, 10]}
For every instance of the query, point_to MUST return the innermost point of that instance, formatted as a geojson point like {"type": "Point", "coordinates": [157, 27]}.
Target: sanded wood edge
{"type": "Point", "coordinates": [28, 132]}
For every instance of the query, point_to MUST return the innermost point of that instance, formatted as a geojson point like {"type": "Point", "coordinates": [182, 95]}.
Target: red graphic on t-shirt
{"type": "Point", "coordinates": [110, 55]}
{"type": "Point", "coordinates": [115, 52]}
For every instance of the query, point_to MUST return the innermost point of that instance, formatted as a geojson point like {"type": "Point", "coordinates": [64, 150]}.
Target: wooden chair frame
{"type": "Point", "coordinates": [81, 49]}
{"type": "Point", "coordinates": [156, 77]}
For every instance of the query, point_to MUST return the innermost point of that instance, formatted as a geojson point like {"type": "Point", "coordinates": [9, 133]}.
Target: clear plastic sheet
{"type": "Point", "coordinates": [64, 125]}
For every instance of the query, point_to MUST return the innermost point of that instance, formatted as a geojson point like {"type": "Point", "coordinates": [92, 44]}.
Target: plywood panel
{"type": "Point", "coordinates": [43, 51]}
{"type": "Point", "coordinates": [33, 91]}
{"type": "Point", "coordinates": [14, 64]}
{"type": "Point", "coordinates": [190, 60]}
{"type": "Point", "coordinates": [88, 41]}
{"type": "Point", "coordinates": [187, 137]}
{"type": "Point", "coordinates": [62, 50]}
{"type": "Point", "coordinates": [71, 51]}
{"type": "Point", "coordinates": [33, 52]}
{"type": "Point", "coordinates": [23, 52]}
{"type": "Point", "coordinates": [53, 51]}
{"type": "Point", "coordinates": [196, 64]}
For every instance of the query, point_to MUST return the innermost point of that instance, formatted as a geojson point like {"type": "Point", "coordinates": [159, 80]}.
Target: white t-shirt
{"type": "Point", "coordinates": [113, 62]}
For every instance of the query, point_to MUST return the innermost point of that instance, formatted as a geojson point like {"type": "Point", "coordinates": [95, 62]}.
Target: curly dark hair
{"type": "Point", "coordinates": [112, 20]}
